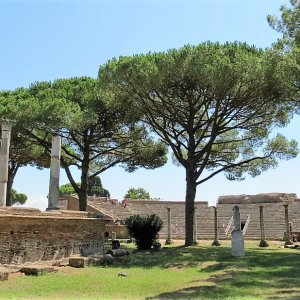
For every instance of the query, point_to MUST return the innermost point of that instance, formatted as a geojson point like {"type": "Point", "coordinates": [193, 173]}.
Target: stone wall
{"type": "Point", "coordinates": [249, 206]}
{"type": "Point", "coordinates": [29, 235]}
{"type": "Point", "coordinates": [120, 230]}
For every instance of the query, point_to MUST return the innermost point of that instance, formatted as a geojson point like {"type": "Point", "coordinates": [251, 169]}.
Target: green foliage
{"type": "Point", "coordinates": [217, 106]}
{"type": "Point", "coordinates": [94, 188]}
{"type": "Point", "coordinates": [18, 198]}
{"type": "Point", "coordinates": [138, 193]}
{"type": "Point", "coordinates": [218, 112]}
{"type": "Point", "coordinates": [144, 229]}
{"type": "Point", "coordinates": [23, 150]}
{"type": "Point", "coordinates": [288, 24]}
{"type": "Point", "coordinates": [66, 190]}
{"type": "Point", "coordinates": [98, 131]}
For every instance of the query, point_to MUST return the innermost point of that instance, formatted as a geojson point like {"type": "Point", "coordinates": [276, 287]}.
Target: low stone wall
{"type": "Point", "coordinates": [29, 235]}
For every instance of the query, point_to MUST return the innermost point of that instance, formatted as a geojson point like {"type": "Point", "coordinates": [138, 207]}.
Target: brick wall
{"type": "Point", "coordinates": [274, 220]}
{"type": "Point", "coordinates": [29, 235]}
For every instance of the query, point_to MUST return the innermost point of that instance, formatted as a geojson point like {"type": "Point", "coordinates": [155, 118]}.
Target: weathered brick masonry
{"type": "Point", "coordinates": [29, 235]}
{"type": "Point", "coordinates": [249, 206]}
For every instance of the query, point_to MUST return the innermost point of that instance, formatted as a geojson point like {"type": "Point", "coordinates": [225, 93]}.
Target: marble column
{"type": "Point", "coordinates": [6, 126]}
{"type": "Point", "coordinates": [288, 240]}
{"type": "Point", "coordinates": [263, 242]}
{"type": "Point", "coordinates": [53, 197]}
{"type": "Point", "coordinates": [195, 233]}
{"type": "Point", "coordinates": [169, 238]}
{"type": "Point", "coordinates": [237, 237]}
{"type": "Point", "coordinates": [216, 240]}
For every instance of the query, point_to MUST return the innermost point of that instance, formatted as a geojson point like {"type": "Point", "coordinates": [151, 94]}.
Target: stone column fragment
{"type": "Point", "coordinates": [216, 240]}
{"type": "Point", "coordinates": [169, 238]}
{"type": "Point", "coordinates": [53, 197]}
{"type": "Point", "coordinates": [237, 237]}
{"type": "Point", "coordinates": [263, 242]}
{"type": "Point", "coordinates": [6, 126]}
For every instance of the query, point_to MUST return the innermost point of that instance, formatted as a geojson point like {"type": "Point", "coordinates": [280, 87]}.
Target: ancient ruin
{"type": "Point", "coordinates": [274, 220]}
{"type": "Point", "coordinates": [237, 237]}
{"type": "Point", "coordinates": [29, 235]}
{"type": "Point", "coordinates": [6, 126]}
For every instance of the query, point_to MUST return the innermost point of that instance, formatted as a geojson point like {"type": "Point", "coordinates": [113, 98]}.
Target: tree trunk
{"type": "Point", "coordinates": [12, 171]}
{"type": "Point", "coordinates": [191, 187]}
{"type": "Point", "coordinates": [82, 200]}
{"type": "Point", "coordinates": [83, 186]}
{"type": "Point", "coordinates": [10, 182]}
{"type": "Point", "coordinates": [82, 190]}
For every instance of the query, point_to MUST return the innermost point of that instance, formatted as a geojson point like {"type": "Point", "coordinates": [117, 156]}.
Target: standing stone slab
{"type": "Point", "coordinates": [237, 243]}
{"type": "Point", "coordinates": [237, 237]}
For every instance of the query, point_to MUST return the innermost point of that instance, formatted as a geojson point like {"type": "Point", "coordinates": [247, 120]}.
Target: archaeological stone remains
{"type": "Point", "coordinates": [237, 237]}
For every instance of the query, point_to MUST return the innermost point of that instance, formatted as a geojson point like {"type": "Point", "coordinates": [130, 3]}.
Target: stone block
{"type": "Point", "coordinates": [118, 252]}
{"type": "Point", "coordinates": [37, 270]}
{"type": "Point", "coordinates": [100, 260]}
{"type": "Point", "coordinates": [76, 262]}
{"type": "Point", "coordinates": [3, 274]}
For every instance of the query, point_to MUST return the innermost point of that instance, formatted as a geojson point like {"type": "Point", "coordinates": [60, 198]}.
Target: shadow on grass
{"type": "Point", "coordinates": [265, 274]}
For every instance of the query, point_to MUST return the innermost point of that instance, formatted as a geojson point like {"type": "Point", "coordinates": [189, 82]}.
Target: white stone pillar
{"type": "Point", "coordinates": [53, 197]}
{"type": "Point", "coordinates": [4, 158]}
{"type": "Point", "coordinates": [169, 238]}
{"type": "Point", "coordinates": [237, 238]}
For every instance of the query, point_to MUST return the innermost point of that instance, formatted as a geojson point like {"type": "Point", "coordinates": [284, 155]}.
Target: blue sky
{"type": "Point", "coordinates": [46, 40]}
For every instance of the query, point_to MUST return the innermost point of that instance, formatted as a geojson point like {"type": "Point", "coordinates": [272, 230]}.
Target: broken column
{"type": "Point", "coordinates": [237, 237]}
{"type": "Point", "coordinates": [216, 240]}
{"type": "Point", "coordinates": [53, 198]}
{"type": "Point", "coordinates": [169, 238]}
{"type": "Point", "coordinates": [263, 242]}
{"type": "Point", "coordinates": [6, 126]}
{"type": "Point", "coordinates": [288, 240]}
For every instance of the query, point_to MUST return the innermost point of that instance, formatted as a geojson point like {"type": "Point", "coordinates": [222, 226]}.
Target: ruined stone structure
{"type": "Point", "coordinates": [6, 126]}
{"type": "Point", "coordinates": [29, 235]}
{"type": "Point", "coordinates": [53, 197]}
{"type": "Point", "coordinates": [249, 207]}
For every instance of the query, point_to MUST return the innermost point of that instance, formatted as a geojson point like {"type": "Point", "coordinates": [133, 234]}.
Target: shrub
{"type": "Point", "coordinates": [144, 229]}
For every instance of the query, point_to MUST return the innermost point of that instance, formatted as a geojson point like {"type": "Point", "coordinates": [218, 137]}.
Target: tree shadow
{"type": "Point", "coordinates": [266, 270]}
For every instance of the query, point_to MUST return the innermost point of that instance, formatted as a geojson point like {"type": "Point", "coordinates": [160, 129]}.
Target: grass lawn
{"type": "Point", "coordinates": [199, 272]}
